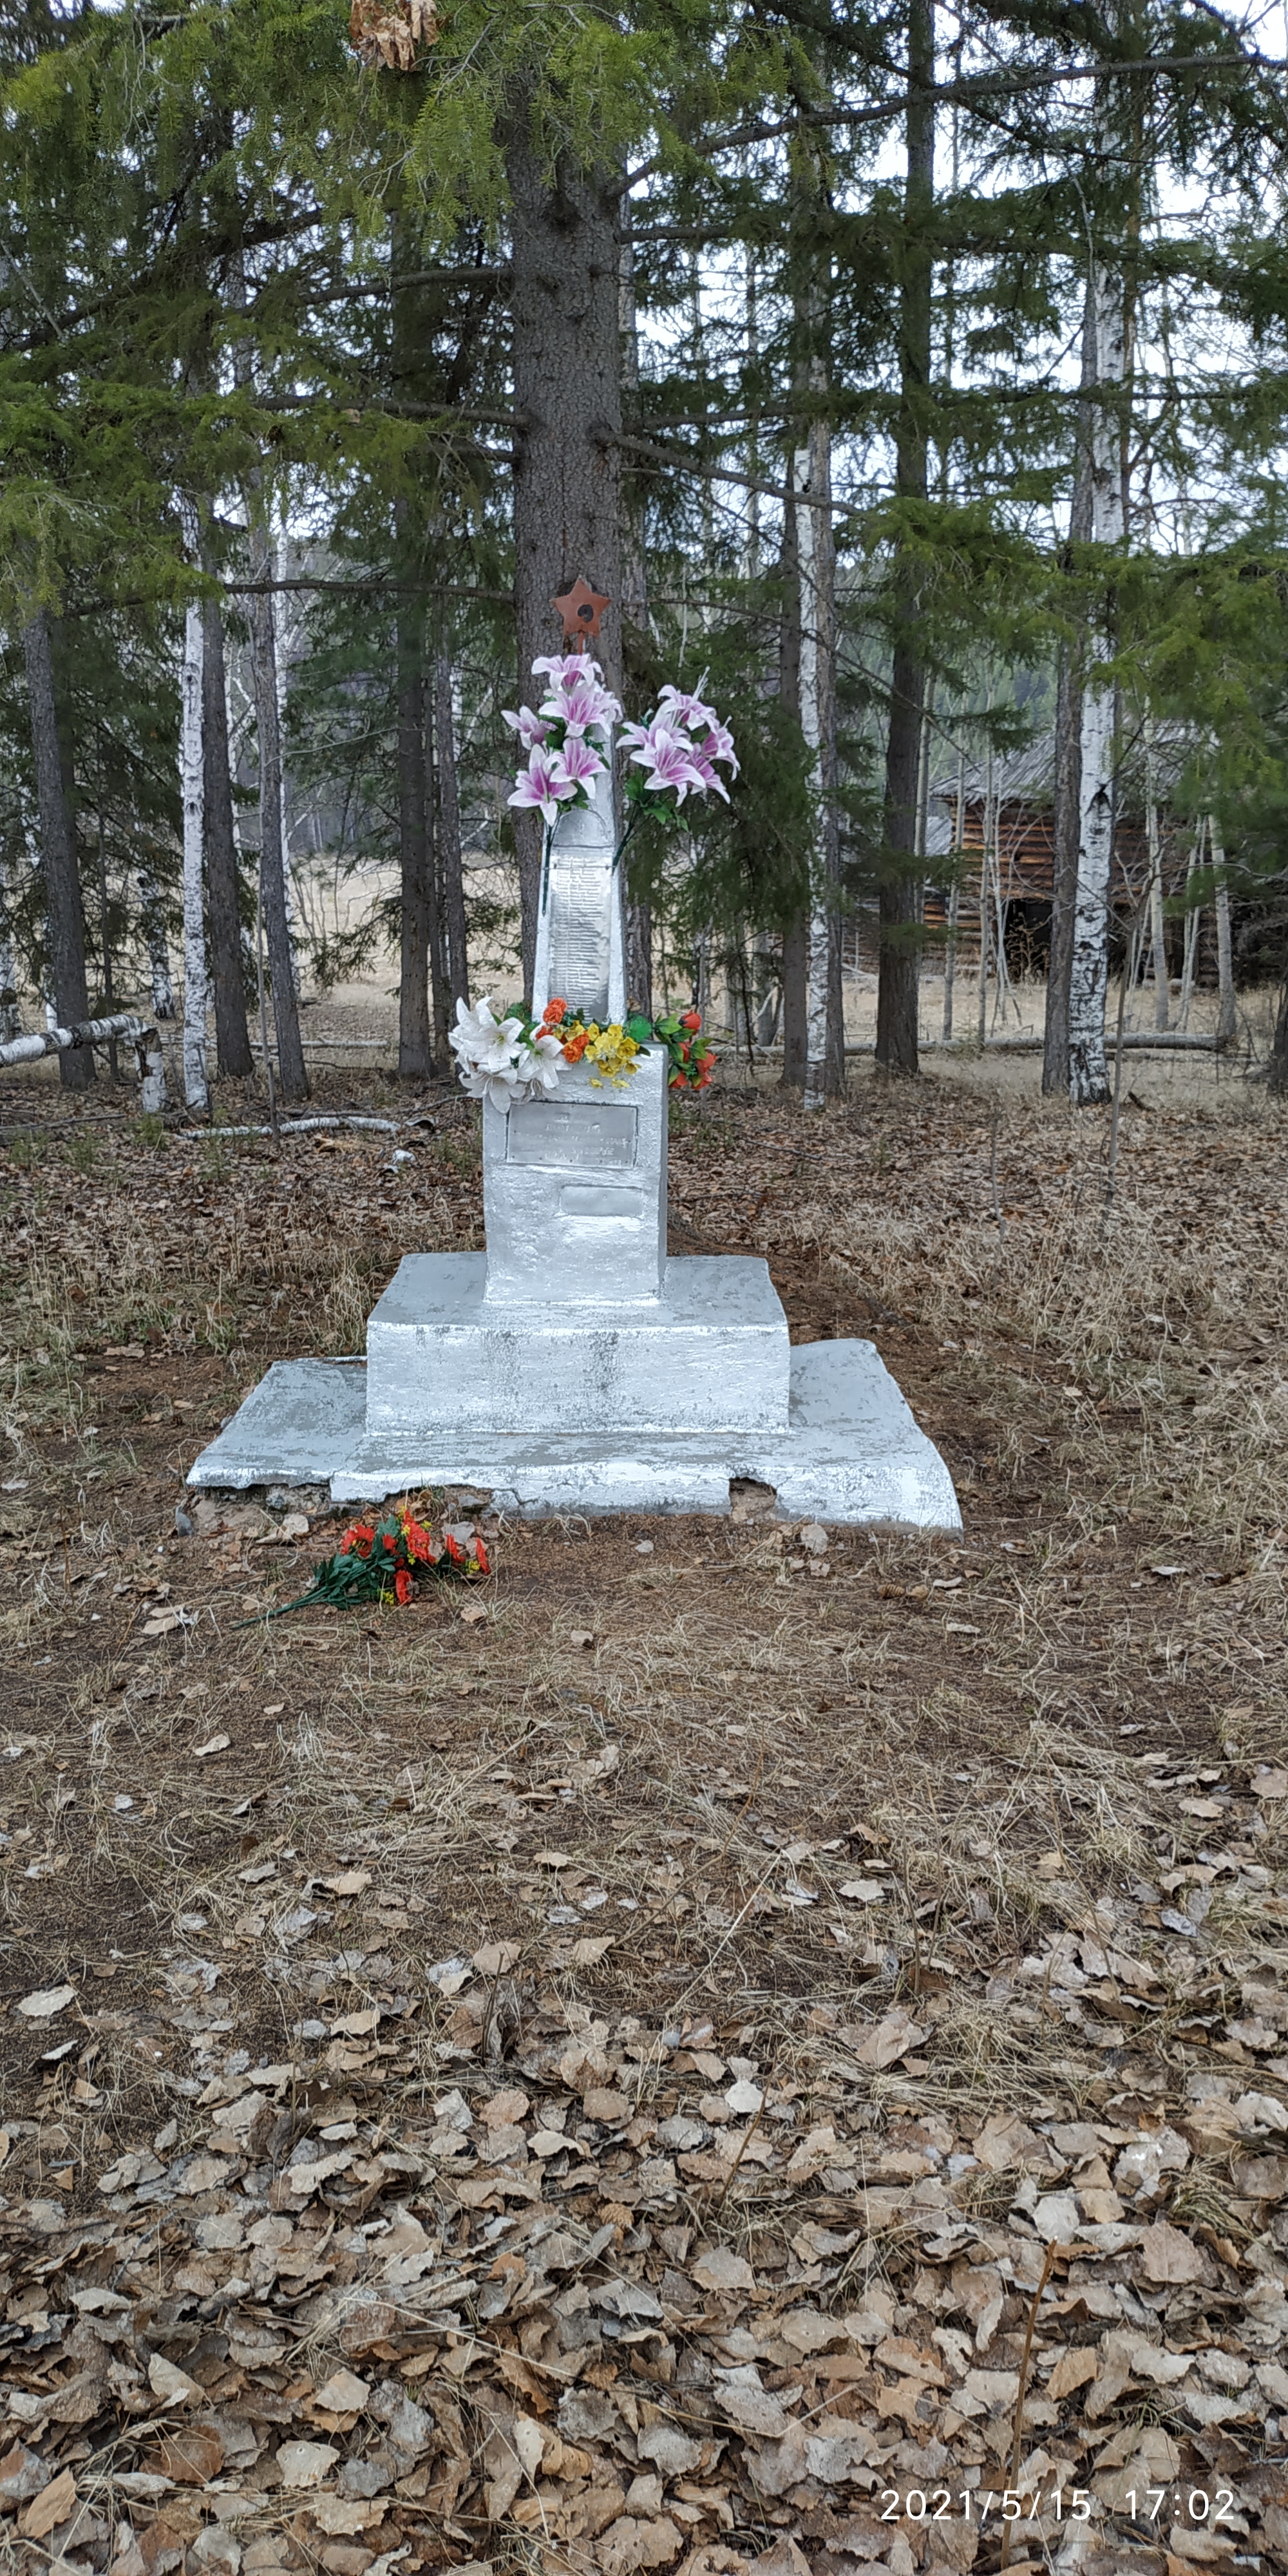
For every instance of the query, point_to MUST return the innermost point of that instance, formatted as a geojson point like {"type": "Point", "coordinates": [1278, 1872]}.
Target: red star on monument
{"type": "Point", "coordinates": [581, 609]}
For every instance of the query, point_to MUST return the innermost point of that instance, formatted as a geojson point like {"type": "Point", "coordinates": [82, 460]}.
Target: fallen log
{"type": "Point", "coordinates": [140, 1035]}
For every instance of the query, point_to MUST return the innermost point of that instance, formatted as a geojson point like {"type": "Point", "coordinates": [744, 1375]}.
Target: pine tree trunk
{"type": "Point", "coordinates": [795, 967]}
{"type": "Point", "coordinates": [1089, 974]}
{"type": "Point", "coordinates": [899, 965]}
{"type": "Point", "coordinates": [439, 980]}
{"type": "Point", "coordinates": [567, 398]}
{"type": "Point", "coordinates": [63, 912]}
{"type": "Point", "coordinates": [1277, 1072]}
{"type": "Point", "coordinates": [272, 854]}
{"type": "Point", "coordinates": [196, 1093]}
{"type": "Point", "coordinates": [223, 887]}
{"type": "Point", "coordinates": [449, 835]}
{"type": "Point", "coordinates": [415, 1044]}
{"type": "Point", "coordinates": [816, 558]}
{"type": "Point", "coordinates": [635, 616]}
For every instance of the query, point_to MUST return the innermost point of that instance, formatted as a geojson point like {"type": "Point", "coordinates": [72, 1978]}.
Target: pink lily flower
{"type": "Point", "coordinates": [580, 762]}
{"type": "Point", "coordinates": [706, 773]}
{"type": "Point", "coordinates": [528, 727]}
{"type": "Point", "coordinates": [669, 758]}
{"type": "Point", "coordinates": [682, 707]}
{"type": "Point", "coordinates": [719, 746]}
{"type": "Point", "coordinates": [544, 783]}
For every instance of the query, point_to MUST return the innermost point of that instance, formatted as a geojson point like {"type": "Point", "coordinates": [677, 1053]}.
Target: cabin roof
{"type": "Point", "coordinates": [1027, 777]}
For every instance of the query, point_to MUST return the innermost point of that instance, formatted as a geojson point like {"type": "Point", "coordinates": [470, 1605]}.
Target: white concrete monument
{"type": "Point", "coordinates": [573, 1366]}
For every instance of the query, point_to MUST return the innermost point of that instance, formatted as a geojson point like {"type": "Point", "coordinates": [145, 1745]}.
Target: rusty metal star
{"type": "Point", "coordinates": [581, 609]}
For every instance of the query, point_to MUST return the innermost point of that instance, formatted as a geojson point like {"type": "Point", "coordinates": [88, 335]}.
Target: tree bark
{"type": "Point", "coordinates": [63, 911]}
{"type": "Point", "coordinates": [415, 1043]}
{"type": "Point", "coordinates": [8, 962]}
{"type": "Point", "coordinates": [1068, 753]}
{"type": "Point", "coordinates": [567, 399]}
{"type": "Point", "coordinates": [1089, 973]}
{"type": "Point", "coordinates": [635, 617]}
{"type": "Point", "coordinates": [449, 835]}
{"type": "Point", "coordinates": [272, 853]}
{"type": "Point", "coordinates": [1225, 1013]}
{"type": "Point", "coordinates": [812, 483]}
{"type": "Point", "coordinates": [223, 885]}
{"type": "Point", "coordinates": [795, 962]}
{"type": "Point", "coordinates": [1277, 1074]}
{"type": "Point", "coordinates": [899, 963]}
{"type": "Point", "coordinates": [196, 1090]}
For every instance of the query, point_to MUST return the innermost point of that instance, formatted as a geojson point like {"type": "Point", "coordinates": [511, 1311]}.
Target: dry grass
{"type": "Point", "coordinates": [965, 1720]}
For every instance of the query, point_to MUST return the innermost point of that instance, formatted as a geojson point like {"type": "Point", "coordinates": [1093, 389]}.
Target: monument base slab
{"type": "Point", "coordinates": [852, 1452]}
{"type": "Point", "coordinates": [711, 1352]}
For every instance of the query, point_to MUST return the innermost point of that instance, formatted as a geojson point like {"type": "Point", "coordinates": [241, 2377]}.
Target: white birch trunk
{"type": "Point", "coordinates": [196, 996]}
{"type": "Point", "coordinates": [8, 965]}
{"type": "Point", "coordinates": [1224, 945]}
{"type": "Point", "coordinates": [1158, 943]}
{"type": "Point", "coordinates": [1088, 1071]}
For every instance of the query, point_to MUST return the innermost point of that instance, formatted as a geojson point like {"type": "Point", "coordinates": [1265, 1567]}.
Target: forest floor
{"type": "Point", "coordinates": [695, 2053]}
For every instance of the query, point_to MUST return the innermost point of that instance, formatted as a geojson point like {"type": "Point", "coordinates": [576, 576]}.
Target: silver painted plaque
{"type": "Point", "coordinates": [572, 1135]}
{"type": "Point", "coordinates": [581, 1198]}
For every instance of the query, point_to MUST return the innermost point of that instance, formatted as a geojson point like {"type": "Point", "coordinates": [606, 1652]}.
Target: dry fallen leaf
{"type": "Point", "coordinates": [718, 2268]}
{"type": "Point", "coordinates": [49, 2508]}
{"type": "Point", "coordinates": [1269, 1784]}
{"type": "Point", "coordinates": [889, 2040]}
{"type": "Point", "coordinates": [173, 2387]}
{"type": "Point", "coordinates": [496, 1958]}
{"type": "Point", "coordinates": [1168, 2256]}
{"type": "Point", "coordinates": [192, 2457]}
{"type": "Point", "coordinates": [46, 2001]}
{"type": "Point", "coordinates": [216, 1744]}
{"type": "Point", "coordinates": [305, 2464]}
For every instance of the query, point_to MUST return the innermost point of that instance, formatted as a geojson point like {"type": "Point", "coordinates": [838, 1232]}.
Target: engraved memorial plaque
{"type": "Point", "coordinates": [573, 1135]}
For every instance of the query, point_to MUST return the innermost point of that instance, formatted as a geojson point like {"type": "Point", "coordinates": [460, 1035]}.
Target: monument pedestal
{"type": "Point", "coordinates": [851, 1451]}
{"type": "Point", "coordinates": [573, 1367]}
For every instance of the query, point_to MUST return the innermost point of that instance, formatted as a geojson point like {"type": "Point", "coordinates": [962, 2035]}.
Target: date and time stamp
{"type": "Point", "coordinates": [1197, 2508]}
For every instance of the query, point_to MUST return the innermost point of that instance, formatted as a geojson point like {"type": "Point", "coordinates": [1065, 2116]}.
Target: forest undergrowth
{"type": "Point", "coordinates": [731, 2045]}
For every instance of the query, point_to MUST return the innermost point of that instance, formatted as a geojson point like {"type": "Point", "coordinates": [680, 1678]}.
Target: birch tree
{"type": "Point", "coordinates": [64, 916]}
{"type": "Point", "coordinates": [192, 784]}
{"type": "Point", "coordinates": [900, 896]}
{"type": "Point", "coordinates": [1089, 964]}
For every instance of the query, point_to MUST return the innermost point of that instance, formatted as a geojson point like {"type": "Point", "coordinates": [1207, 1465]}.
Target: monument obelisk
{"type": "Point", "coordinates": [573, 1365]}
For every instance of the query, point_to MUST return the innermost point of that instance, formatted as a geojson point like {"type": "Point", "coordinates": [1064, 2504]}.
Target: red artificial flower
{"type": "Point", "coordinates": [402, 1585]}
{"type": "Point", "coordinates": [419, 1543]}
{"type": "Point", "coordinates": [456, 1552]}
{"type": "Point", "coordinates": [480, 1557]}
{"type": "Point", "coordinates": [691, 1020]}
{"type": "Point", "coordinates": [389, 1541]}
{"type": "Point", "coordinates": [357, 1541]}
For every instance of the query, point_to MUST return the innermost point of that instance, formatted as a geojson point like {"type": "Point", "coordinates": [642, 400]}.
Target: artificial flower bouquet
{"type": "Point", "coordinates": [378, 1562]}
{"type": "Point", "coordinates": [569, 741]}
{"type": "Point", "coordinates": [517, 1058]}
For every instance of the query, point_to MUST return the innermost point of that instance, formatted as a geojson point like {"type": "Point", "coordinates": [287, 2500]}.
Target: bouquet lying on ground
{"type": "Point", "coordinates": [518, 1058]}
{"type": "Point", "coordinates": [378, 1562]}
